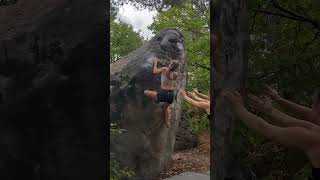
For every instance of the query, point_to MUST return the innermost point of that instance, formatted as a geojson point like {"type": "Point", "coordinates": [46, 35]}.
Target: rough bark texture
{"type": "Point", "coordinates": [147, 144]}
{"type": "Point", "coordinates": [185, 138]}
{"type": "Point", "coordinates": [230, 53]}
{"type": "Point", "coordinates": [52, 89]}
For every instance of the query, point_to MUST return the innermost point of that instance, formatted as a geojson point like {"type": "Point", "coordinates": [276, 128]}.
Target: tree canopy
{"type": "Point", "coordinates": [284, 47]}
{"type": "Point", "coordinates": [284, 53]}
{"type": "Point", "coordinates": [7, 2]}
{"type": "Point", "coordinates": [123, 39]}
{"type": "Point", "coordinates": [193, 22]}
{"type": "Point", "coordinates": [192, 18]}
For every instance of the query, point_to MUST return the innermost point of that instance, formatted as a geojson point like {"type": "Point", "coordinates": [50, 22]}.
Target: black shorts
{"type": "Point", "coordinates": [165, 96]}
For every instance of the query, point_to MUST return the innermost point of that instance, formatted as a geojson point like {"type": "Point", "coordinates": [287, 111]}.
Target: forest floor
{"type": "Point", "coordinates": [191, 160]}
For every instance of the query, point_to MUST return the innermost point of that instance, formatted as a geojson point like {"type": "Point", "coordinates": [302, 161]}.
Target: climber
{"type": "Point", "coordinates": [202, 102]}
{"type": "Point", "coordinates": [168, 81]}
{"type": "Point", "coordinates": [303, 134]}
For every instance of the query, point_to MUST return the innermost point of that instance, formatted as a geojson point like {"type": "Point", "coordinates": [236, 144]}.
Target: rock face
{"type": "Point", "coordinates": [147, 144]}
{"type": "Point", "coordinates": [185, 138]}
{"type": "Point", "coordinates": [52, 89]}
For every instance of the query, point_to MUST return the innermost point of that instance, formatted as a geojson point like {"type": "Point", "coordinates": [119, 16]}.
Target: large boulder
{"type": "Point", "coordinates": [52, 88]}
{"type": "Point", "coordinates": [147, 145]}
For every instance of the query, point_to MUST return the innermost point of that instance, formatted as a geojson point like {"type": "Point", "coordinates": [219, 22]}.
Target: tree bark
{"type": "Point", "coordinates": [52, 83]}
{"type": "Point", "coordinates": [230, 43]}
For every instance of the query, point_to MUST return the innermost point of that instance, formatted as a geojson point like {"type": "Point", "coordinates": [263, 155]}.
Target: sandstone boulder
{"type": "Point", "coordinates": [147, 144]}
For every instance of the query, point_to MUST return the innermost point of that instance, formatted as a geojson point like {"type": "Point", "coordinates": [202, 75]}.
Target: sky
{"type": "Point", "coordinates": [139, 19]}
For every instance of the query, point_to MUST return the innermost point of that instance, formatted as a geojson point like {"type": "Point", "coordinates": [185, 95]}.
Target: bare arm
{"type": "Point", "coordinates": [289, 121]}
{"type": "Point", "coordinates": [202, 95]}
{"type": "Point", "coordinates": [197, 98]}
{"type": "Point", "coordinates": [290, 136]}
{"type": "Point", "coordinates": [297, 110]}
{"type": "Point", "coordinates": [157, 70]}
{"type": "Point", "coordinates": [264, 104]}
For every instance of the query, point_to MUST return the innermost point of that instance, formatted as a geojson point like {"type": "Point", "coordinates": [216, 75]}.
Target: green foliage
{"type": "Point", "coordinates": [199, 124]}
{"type": "Point", "coordinates": [7, 2]}
{"type": "Point", "coordinates": [283, 53]}
{"type": "Point", "coordinates": [192, 19]}
{"type": "Point", "coordinates": [303, 173]}
{"type": "Point", "coordinates": [123, 39]}
{"type": "Point", "coordinates": [199, 121]}
{"type": "Point", "coordinates": [114, 9]}
{"type": "Point", "coordinates": [116, 170]}
{"type": "Point", "coordinates": [114, 129]}
{"type": "Point", "coordinates": [158, 5]}
{"type": "Point", "coordinates": [193, 22]}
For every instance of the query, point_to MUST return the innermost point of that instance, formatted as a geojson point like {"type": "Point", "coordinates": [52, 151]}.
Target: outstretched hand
{"type": "Point", "coordinates": [260, 104]}
{"type": "Point", "coordinates": [194, 90]}
{"type": "Point", "coordinates": [234, 99]}
{"type": "Point", "coordinates": [191, 94]}
{"type": "Point", "coordinates": [182, 92]}
{"type": "Point", "coordinates": [271, 92]}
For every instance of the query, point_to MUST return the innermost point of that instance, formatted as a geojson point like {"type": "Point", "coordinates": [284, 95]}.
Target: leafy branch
{"type": "Point", "coordinates": [290, 14]}
{"type": "Point", "coordinates": [7, 2]}
{"type": "Point", "coordinates": [194, 64]}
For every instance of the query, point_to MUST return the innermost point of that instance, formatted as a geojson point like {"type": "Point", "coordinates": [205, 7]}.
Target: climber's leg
{"type": "Point", "coordinates": [151, 94]}
{"type": "Point", "coordinates": [167, 114]}
{"type": "Point", "coordinates": [169, 100]}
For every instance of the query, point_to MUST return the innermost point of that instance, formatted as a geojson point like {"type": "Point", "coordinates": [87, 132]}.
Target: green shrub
{"type": "Point", "coordinates": [116, 170]}
{"type": "Point", "coordinates": [199, 124]}
{"type": "Point", "coordinates": [198, 118]}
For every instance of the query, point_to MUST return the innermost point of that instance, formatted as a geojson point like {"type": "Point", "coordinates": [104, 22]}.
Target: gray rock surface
{"type": "Point", "coordinates": [147, 145]}
{"type": "Point", "coordinates": [189, 176]}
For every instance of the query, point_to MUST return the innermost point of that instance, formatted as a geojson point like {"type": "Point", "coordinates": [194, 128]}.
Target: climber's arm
{"type": "Point", "coordinates": [174, 75]}
{"type": "Point", "coordinates": [290, 136]}
{"type": "Point", "coordinates": [157, 70]}
{"type": "Point", "coordinates": [289, 121]}
{"type": "Point", "coordinates": [299, 111]}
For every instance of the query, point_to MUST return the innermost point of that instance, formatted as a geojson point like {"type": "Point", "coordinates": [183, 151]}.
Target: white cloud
{"type": "Point", "coordinates": [139, 19]}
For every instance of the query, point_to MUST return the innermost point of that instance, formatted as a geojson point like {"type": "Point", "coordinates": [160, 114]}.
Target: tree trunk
{"type": "Point", "coordinates": [229, 42]}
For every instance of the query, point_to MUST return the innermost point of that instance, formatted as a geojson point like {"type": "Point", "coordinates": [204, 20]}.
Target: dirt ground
{"type": "Point", "coordinates": [195, 160]}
